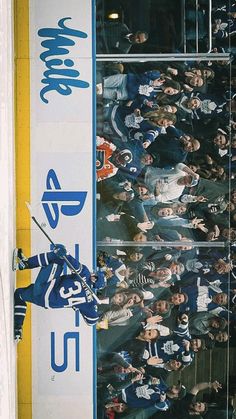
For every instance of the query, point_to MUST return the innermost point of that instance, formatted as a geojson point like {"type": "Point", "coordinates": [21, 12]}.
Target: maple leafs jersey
{"type": "Point", "coordinates": [67, 291]}
{"type": "Point", "coordinates": [141, 394]}
{"type": "Point", "coordinates": [200, 299]}
{"type": "Point", "coordinates": [168, 348]}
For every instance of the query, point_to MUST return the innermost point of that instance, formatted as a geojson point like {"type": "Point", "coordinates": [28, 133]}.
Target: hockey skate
{"type": "Point", "coordinates": [19, 260]}
{"type": "Point", "coordinates": [18, 334]}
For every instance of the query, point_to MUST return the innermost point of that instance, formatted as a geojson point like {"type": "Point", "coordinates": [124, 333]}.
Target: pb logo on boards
{"type": "Point", "coordinates": [55, 200]}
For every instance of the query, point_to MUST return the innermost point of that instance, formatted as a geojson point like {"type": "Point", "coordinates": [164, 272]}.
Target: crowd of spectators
{"type": "Point", "coordinates": [165, 173]}
{"type": "Point", "coordinates": [165, 162]}
{"type": "Point", "coordinates": [160, 308]}
{"type": "Point", "coordinates": [166, 227]}
{"type": "Point", "coordinates": [224, 26]}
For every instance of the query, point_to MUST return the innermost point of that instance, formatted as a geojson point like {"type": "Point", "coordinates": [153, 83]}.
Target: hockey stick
{"type": "Point", "coordinates": [68, 263]}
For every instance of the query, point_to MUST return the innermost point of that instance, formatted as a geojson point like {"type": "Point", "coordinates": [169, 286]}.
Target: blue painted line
{"type": "Point", "coordinates": [93, 5]}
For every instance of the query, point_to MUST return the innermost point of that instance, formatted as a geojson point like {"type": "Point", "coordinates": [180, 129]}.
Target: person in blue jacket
{"type": "Point", "coordinates": [128, 123]}
{"type": "Point", "coordinates": [152, 391]}
{"type": "Point", "coordinates": [204, 296]}
{"type": "Point", "coordinates": [128, 86]}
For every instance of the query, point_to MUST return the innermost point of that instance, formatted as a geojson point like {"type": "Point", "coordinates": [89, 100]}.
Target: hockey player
{"type": "Point", "coordinates": [53, 289]}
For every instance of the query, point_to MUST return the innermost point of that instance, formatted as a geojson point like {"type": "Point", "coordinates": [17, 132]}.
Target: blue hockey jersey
{"type": "Point", "coordinates": [168, 348]}
{"type": "Point", "coordinates": [67, 291]}
{"type": "Point", "coordinates": [141, 394]}
{"type": "Point", "coordinates": [200, 298]}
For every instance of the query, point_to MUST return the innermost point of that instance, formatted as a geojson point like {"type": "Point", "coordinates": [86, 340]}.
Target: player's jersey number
{"type": "Point", "coordinates": [70, 292]}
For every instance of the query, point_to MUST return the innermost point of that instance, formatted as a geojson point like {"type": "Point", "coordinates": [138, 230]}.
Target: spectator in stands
{"type": "Point", "coordinates": [118, 38]}
{"type": "Point", "coordinates": [188, 407]}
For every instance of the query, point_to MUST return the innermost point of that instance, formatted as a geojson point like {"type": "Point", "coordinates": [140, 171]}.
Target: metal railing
{"type": "Point", "coordinates": [196, 26]}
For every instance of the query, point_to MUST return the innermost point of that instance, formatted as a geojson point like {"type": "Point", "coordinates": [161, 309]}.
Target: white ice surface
{"type": "Point", "coordinates": [7, 227]}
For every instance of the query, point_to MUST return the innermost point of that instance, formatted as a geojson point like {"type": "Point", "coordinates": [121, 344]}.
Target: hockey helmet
{"type": "Point", "coordinates": [124, 157]}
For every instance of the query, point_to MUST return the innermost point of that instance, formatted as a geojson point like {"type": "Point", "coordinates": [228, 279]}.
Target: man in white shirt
{"type": "Point", "coordinates": [168, 185]}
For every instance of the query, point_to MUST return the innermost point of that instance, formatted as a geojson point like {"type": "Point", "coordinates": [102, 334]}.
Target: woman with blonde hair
{"type": "Point", "coordinates": [128, 123]}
